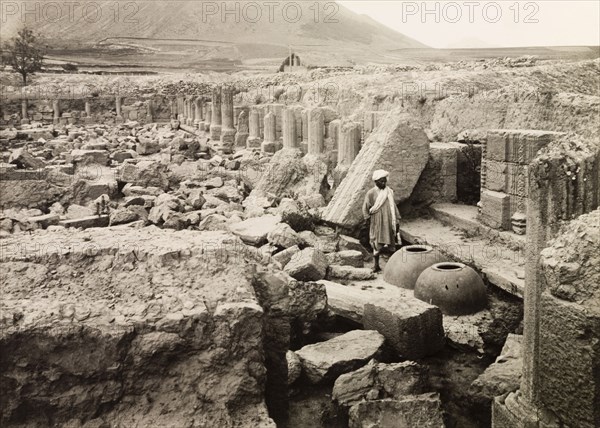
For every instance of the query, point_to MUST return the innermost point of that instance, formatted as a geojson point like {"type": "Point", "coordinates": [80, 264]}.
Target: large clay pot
{"type": "Point", "coordinates": [406, 264]}
{"type": "Point", "coordinates": [454, 287]}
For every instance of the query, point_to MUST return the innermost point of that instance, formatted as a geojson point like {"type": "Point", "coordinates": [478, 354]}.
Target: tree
{"type": "Point", "coordinates": [24, 53]}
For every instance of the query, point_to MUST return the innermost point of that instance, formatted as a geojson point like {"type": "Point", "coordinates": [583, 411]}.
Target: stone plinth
{"type": "Point", "coordinates": [398, 146]}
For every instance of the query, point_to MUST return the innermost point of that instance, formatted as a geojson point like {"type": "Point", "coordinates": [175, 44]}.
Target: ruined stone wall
{"type": "Point", "coordinates": [125, 327]}
{"type": "Point", "coordinates": [504, 169]}
{"type": "Point", "coordinates": [561, 318]}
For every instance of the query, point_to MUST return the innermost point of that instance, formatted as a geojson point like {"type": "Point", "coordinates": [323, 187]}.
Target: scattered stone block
{"type": "Point", "coordinates": [413, 328]}
{"type": "Point", "coordinates": [349, 272]}
{"type": "Point", "coordinates": [147, 146]}
{"type": "Point", "coordinates": [283, 257]}
{"type": "Point", "coordinates": [145, 173]}
{"type": "Point", "coordinates": [123, 216]}
{"type": "Point", "coordinates": [422, 411]}
{"type": "Point", "coordinates": [325, 361]}
{"type": "Point", "coordinates": [87, 157]}
{"type": "Point", "coordinates": [25, 160]}
{"type": "Point", "coordinates": [379, 380]}
{"type": "Point", "coordinates": [309, 264]}
{"type": "Point", "coordinates": [504, 375]}
{"type": "Point", "coordinates": [213, 183]}
{"type": "Point", "coordinates": [294, 367]}
{"type": "Point", "coordinates": [284, 236]}
{"type": "Point", "coordinates": [495, 209]}
{"type": "Point", "coordinates": [346, 258]}
{"type": "Point", "coordinates": [254, 231]}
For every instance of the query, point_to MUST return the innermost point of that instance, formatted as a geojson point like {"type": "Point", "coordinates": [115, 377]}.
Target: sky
{"type": "Point", "coordinates": [504, 23]}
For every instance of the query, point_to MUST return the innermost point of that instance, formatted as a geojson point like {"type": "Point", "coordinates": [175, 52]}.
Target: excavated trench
{"type": "Point", "coordinates": [450, 372]}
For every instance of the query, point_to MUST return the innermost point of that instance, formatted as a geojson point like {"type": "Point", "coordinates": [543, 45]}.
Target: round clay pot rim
{"type": "Point", "coordinates": [448, 266]}
{"type": "Point", "coordinates": [417, 249]}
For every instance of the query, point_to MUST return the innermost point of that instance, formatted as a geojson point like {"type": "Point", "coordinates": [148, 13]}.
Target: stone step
{"type": "Point", "coordinates": [465, 217]}
{"type": "Point", "coordinates": [499, 264]}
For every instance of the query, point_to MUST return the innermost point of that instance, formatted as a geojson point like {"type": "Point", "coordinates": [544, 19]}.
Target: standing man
{"type": "Point", "coordinates": [380, 207]}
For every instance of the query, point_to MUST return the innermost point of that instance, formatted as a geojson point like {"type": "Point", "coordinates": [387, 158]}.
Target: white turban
{"type": "Point", "coordinates": [380, 173]}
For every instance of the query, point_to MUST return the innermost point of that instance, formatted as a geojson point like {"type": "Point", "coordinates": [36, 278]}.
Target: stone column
{"type": "Point", "coordinates": [118, 102]}
{"type": "Point", "coordinates": [56, 109]}
{"type": "Point", "coordinates": [269, 145]}
{"type": "Point", "coordinates": [199, 118]}
{"type": "Point", "coordinates": [150, 111]}
{"type": "Point", "coordinates": [88, 109]}
{"type": "Point", "coordinates": [189, 111]}
{"type": "Point", "coordinates": [316, 128]}
{"type": "Point", "coordinates": [24, 114]}
{"type": "Point", "coordinates": [208, 117]}
{"type": "Point", "coordinates": [215, 124]}
{"type": "Point", "coordinates": [254, 139]}
{"type": "Point", "coordinates": [243, 129]}
{"type": "Point", "coordinates": [227, 129]}
{"type": "Point", "coordinates": [304, 131]}
{"type": "Point", "coordinates": [173, 108]}
{"type": "Point", "coordinates": [290, 138]}
{"type": "Point", "coordinates": [192, 111]}
{"type": "Point", "coordinates": [349, 143]}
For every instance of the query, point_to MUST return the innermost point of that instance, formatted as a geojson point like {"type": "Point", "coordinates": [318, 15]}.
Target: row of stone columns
{"type": "Point", "coordinates": [57, 113]}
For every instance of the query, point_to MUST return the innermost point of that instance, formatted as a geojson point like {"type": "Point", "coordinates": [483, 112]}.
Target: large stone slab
{"type": "Point", "coordinates": [327, 360]}
{"type": "Point", "coordinates": [398, 146]}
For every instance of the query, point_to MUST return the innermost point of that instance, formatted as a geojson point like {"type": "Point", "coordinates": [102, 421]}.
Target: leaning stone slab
{"type": "Point", "coordinates": [327, 360]}
{"type": "Point", "coordinates": [413, 328]}
{"type": "Point", "coordinates": [398, 146]}
{"type": "Point", "coordinates": [254, 231]}
{"type": "Point", "coordinates": [422, 411]}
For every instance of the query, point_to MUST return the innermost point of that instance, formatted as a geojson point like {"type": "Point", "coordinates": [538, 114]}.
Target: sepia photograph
{"type": "Point", "coordinates": [299, 214]}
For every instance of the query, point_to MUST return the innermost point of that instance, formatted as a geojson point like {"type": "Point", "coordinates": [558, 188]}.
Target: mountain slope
{"type": "Point", "coordinates": [323, 27]}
